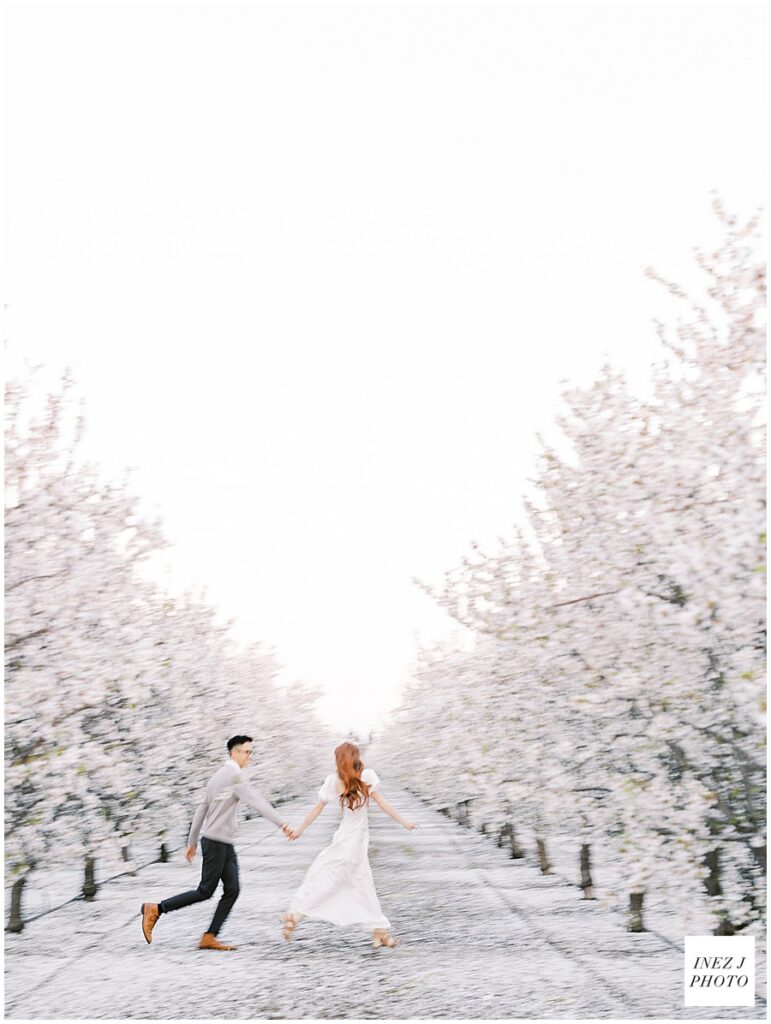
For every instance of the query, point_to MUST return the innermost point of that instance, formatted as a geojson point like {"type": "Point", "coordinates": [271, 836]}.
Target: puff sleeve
{"type": "Point", "coordinates": [370, 776]}
{"type": "Point", "coordinates": [328, 791]}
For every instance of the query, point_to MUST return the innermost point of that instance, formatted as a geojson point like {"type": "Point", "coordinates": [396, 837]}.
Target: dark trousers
{"type": "Point", "coordinates": [219, 862]}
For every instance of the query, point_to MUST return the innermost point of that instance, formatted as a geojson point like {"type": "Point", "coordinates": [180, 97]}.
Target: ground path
{"type": "Point", "coordinates": [482, 936]}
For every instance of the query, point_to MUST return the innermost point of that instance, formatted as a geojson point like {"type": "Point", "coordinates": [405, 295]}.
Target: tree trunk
{"type": "Point", "coordinates": [586, 873]}
{"type": "Point", "coordinates": [16, 921]}
{"type": "Point", "coordinates": [508, 837]}
{"type": "Point", "coordinates": [713, 887]}
{"type": "Point", "coordinates": [724, 928]}
{"type": "Point", "coordinates": [125, 852]}
{"type": "Point", "coordinates": [89, 883]}
{"type": "Point", "coordinates": [543, 860]}
{"type": "Point", "coordinates": [759, 853]}
{"type": "Point", "coordinates": [463, 813]}
{"type": "Point", "coordinates": [712, 881]}
{"type": "Point", "coordinates": [164, 855]}
{"type": "Point", "coordinates": [517, 853]}
{"type": "Point", "coordinates": [636, 912]}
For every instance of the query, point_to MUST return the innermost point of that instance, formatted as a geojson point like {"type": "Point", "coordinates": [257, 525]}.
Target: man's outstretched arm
{"type": "Point", "coordinates": [250, 796]}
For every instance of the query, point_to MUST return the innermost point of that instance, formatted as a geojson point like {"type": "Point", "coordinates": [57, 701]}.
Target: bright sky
{"type": "Point", "coordinates": [319, 272]}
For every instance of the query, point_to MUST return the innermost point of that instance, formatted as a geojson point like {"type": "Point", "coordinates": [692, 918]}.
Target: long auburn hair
{"type": "Point", "coordinates": [349, 767]}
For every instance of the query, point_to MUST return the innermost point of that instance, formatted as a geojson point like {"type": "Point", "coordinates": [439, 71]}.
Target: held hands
{"type": "Point", "coordinates": [289, 832]}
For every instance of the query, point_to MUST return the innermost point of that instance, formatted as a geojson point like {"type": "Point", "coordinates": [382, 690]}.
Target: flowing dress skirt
{"type": "Point", "coordinates": [338, 886]}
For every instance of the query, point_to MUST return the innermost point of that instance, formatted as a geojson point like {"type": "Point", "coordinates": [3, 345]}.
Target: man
{"type": "Point", "coordinates": [217, 814]}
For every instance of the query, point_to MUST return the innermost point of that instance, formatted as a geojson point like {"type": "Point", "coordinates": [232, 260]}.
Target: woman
{"type": "Point", "coordinates": [338, 886]}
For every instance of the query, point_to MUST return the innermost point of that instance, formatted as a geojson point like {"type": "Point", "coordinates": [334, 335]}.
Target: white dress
{"type": "Point", "coordinates": [338, 886]}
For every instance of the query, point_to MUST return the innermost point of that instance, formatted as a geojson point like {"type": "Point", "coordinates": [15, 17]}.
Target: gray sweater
{"type": "Point", "coordinates": [217, 810]}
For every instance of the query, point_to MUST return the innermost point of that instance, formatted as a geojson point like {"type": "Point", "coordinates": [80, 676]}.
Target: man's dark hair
{"type": "Point", "coordinates": [236, 741]}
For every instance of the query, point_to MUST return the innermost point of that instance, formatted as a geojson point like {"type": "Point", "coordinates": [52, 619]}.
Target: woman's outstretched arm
{"type": "Point", "coordinates": [384, 805]}
{"type": "Point", "coordinates": [311, 816]}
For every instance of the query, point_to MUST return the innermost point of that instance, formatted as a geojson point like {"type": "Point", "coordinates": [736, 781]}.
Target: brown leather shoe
{"type": "Point", "coordinates": [150, 915]}
{"type": "Point", "coordinates": [210, 941]}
